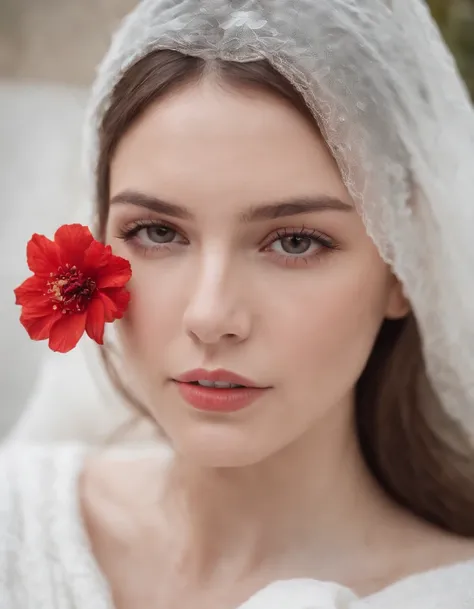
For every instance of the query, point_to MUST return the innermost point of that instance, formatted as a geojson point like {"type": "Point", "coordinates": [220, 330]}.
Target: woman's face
{"type": "Point", "coordinates": [249, 259]}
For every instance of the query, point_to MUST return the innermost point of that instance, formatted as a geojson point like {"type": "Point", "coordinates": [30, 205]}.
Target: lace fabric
{"type": "Point", "coordinates": [389, 101]}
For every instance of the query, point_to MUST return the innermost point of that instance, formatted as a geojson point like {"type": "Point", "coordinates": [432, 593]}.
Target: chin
{"type": "Point", "coordinates": [219, 447]}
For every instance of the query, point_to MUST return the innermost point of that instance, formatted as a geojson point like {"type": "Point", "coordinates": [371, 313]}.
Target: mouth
{"type": "Point", "coordinates": [220, 379]}
{"type": "Point", "coordinates": [217, 385]}
{"type": "Point", "coordinates": [218, 390]}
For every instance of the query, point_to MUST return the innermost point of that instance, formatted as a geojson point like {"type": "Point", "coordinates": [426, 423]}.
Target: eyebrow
{"type": "Point", "coordinates": [153, 203]}
{"type": "Point", "coordinates": [270, 211]}
{"type": "Point", "coordinates": [294, 207]}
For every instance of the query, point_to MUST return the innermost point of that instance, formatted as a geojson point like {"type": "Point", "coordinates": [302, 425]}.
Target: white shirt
{"type": "Point", "coordinates": [46, 560]}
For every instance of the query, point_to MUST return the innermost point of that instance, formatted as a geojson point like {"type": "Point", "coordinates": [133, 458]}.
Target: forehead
{"type": "Point", "coordinates": [209, 141]}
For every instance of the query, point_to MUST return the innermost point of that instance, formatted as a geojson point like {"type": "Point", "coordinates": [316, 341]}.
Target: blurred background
{"type": "Point", "coordinates": [48, 53]}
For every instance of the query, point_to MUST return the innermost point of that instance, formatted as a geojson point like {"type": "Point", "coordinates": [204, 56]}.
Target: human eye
{"type": "Point", "coordinates": [151, 236]}
{"type": "Point", "coordinates": [298, 246]}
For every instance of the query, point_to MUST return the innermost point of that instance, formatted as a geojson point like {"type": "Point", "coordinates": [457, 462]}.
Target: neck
{"type": "Point", "coordinates": [315, 498]}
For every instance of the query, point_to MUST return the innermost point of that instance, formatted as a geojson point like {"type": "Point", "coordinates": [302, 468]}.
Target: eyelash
{"type": "Point", "coordinates": [130, 231]}
{"type": "Point", "coordinates": [327, 245]}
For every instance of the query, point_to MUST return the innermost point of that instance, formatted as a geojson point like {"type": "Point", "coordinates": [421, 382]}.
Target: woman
{"type": "Point", "coordinates": [319, 443]}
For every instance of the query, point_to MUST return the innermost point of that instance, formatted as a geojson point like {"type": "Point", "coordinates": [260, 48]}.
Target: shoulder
{"type": "Point", "coordinates": [25, 468]}
{"type": "Point", "coordinates": [454, 550]}
{"type": "Point", "coordinates": [35, 482]}
{"type": "Point", "coordinates": [449, 583]}
{"type": "Point", "coordinates": [28, 472]}
{"type": "Point", "coordinates": [450, 586]}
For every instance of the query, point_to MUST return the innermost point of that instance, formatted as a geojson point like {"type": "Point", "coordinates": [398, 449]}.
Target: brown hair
{"type": "Point", "coordinates": [415, 451]}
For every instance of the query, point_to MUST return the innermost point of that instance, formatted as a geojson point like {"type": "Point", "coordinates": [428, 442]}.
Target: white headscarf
{"type": "Point", "coordinates": [388, 99]}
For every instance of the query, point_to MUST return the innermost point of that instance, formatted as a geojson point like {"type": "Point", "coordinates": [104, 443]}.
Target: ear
{"type": "Point", "coordinates": [398, 305]}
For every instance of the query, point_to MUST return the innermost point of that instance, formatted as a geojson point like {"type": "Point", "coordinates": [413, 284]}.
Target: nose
{"type": "Point", "coordinates": [216, 310]}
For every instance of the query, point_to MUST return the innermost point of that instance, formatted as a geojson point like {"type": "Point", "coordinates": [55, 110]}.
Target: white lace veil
{"type": "Point", "coordinates": [397, 117]}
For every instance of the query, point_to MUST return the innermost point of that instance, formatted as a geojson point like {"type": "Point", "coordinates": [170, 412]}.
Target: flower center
{"type": "Point", "coordinates": [70, 289]}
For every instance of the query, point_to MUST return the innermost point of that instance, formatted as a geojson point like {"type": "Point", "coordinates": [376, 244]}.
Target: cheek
{"type": "Point", "coordinates": [153, 315]}
{"type": "Point", "coordinates": [328, 327]}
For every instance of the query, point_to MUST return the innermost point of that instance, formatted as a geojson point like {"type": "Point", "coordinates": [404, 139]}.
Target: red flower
{"type": "Point", "coordinates": [78, 285]}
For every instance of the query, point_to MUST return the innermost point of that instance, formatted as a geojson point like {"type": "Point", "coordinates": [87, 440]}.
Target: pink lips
{"type": "Point", "coordinates": [213, 399]}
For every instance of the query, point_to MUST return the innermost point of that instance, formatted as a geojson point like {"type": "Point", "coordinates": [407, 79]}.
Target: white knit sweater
{"type": "Point", "coordinates": [46, 562]}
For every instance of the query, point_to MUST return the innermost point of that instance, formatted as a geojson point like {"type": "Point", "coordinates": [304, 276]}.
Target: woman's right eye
{"type": "Point", "coordinates": [151, 235]}
{"type": "Point", "coordinates": [158, 234]}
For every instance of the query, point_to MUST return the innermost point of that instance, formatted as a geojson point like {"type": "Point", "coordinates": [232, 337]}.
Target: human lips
{"type": "Point", "coordinates": [216, 376]}
{"type": "Point", "coordinates": [218, 390]}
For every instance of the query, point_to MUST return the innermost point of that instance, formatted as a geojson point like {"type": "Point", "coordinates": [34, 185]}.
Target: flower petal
{"type": "Point", "coordinates": [73, 241]}
{"type": "Point", "coordinates": [96, 257]}
{"type": "Point", "coordinates": [31, 291]}
{"type": "Point", "coordinates": [39, 310]}
{"type": "Point", "coordinates": [38, 326]}
{"type": "Point", "coordinates": [115, 302]}
{"type": "Point", "coordinates": [95, 323]}
{"type": "Point", "coordinates": [42, 255]}
{"type": "Point", "coordinates": [115, 274]}
{"type": "Point", "coordinates": [67, 331]}
{"type": "Point", "coordinates": [110, 309]}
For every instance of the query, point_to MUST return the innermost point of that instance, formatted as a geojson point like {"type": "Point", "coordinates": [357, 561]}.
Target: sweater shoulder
{"type": "Point", "coordinates": [33, 495]}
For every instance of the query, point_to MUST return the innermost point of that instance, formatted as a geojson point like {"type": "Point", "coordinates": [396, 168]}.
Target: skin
{"type": "Point", "coordinates": [279, 489]}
